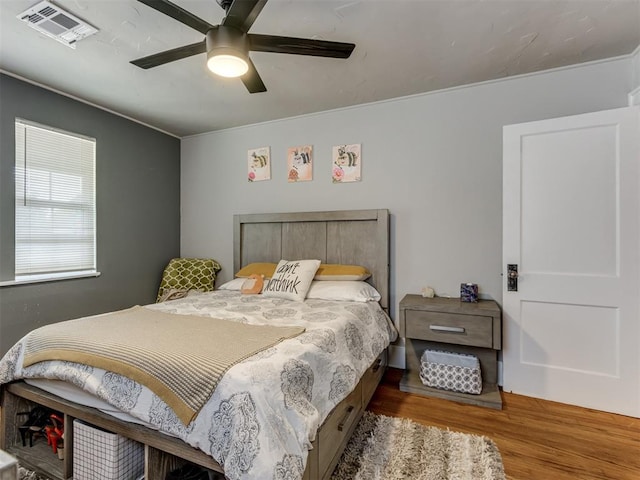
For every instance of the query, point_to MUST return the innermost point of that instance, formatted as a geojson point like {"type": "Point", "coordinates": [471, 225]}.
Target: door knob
{"type": "Point", "coordinates": [512, 277]}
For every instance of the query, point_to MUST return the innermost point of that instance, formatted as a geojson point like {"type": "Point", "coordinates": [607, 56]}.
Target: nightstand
{"type": "Point", "coordinates": [451, 325]}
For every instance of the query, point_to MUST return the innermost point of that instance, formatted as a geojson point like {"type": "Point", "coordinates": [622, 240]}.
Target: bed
{"type": "Point", "coordinates": [318, 381]}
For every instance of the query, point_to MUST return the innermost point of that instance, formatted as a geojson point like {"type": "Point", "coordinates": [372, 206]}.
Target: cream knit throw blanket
{"type": "Point", "coordinates": [181, 358]}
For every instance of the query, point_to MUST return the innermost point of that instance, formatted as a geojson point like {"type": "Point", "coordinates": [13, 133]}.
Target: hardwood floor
{"type": "Point", "coordinates": [538, 439]}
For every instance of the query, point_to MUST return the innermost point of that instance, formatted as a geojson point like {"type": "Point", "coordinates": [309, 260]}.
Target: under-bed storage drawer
{"type": "Point", "coordinates": [338, 427]}
{"type": "Point", "coordinates": [372, 376]}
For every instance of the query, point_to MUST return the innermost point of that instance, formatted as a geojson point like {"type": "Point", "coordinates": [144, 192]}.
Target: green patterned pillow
{"type": "Point", "coordinates": [184, 274]}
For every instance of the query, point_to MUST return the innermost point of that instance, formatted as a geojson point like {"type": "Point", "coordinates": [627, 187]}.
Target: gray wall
{"type": "Point", "coordinates": [434, 160]}
{"type": "Point", "coordinates": [138, 211]}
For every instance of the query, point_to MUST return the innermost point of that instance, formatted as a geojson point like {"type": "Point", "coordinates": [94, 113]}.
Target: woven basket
{"type": "Point", "coordinates": [451, 371]}
{"type": "Point", "coordinates": [102, 455]}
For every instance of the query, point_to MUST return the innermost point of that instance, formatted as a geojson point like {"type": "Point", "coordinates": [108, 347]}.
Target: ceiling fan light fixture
{"type": "Point", "coordinates": [227, 52]}
{"type": "Point", "coordinates": [226, 64]}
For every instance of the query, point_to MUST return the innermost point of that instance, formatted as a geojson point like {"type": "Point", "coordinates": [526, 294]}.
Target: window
{"type": "Point", "coordinates": [55, 208]}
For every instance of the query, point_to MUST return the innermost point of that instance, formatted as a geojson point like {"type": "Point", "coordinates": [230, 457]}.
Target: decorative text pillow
{"type": "Point", "coordinates": [292, 279]}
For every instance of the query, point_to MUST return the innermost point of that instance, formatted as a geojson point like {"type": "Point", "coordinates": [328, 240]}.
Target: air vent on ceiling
{"type": "Point", "coordinates": [54, 22]}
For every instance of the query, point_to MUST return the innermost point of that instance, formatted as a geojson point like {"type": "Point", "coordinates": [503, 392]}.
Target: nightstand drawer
{"type": "Point", "coordinates": [455, 328]}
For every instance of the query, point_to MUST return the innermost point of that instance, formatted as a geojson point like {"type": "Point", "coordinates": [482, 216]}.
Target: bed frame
{"type": "Point", "coordinates": [349, 237]}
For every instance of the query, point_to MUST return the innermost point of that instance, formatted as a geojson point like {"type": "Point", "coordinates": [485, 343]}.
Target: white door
{"type": "Point", "coordinates": [571, 215]}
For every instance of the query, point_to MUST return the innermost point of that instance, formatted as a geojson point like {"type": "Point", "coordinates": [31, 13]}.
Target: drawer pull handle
{"type": "Point", "coordinates": [376, 366]}
{"type": "Point", "coordinates": [346, 417]}
{"type": "Point", "coordinates": [442, 328]}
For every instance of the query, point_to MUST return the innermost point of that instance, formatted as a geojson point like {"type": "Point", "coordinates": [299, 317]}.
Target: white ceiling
{"type": "Point", "coordinates": [403, 47]}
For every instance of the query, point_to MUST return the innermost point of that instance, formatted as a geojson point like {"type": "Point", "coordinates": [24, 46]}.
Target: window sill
{"type": "Point", "coordinates": [54, 277]}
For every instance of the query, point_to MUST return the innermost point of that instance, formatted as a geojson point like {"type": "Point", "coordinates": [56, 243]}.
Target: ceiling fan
{"type": "Point", "coordinates": [228, 45]}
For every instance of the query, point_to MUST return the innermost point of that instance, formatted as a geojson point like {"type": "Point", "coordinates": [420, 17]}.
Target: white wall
{"type": "Point", "coordinates": [634, 94]}
{"type": "Point", "coordinates": [434, 160]}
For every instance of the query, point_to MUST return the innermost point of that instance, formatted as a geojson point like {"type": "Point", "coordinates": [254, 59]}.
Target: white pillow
{"type": "Point", "coordinates": [235, 284]}
{"type": "Point", "coordinates": [349, 290]}
{"type": "Point", "coordinates": [291, 279]}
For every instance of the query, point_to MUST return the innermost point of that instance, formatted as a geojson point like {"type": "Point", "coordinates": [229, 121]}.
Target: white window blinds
{"type": "Point", "coordinates": [55, 201]}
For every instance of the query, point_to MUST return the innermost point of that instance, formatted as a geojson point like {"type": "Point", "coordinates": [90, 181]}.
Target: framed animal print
{"type": "Point", "coordinates": [346, 163]}
{"type": "Point", "coordinates": [259, 164]}
{"type": "Point", "coordinates": [300, 164]}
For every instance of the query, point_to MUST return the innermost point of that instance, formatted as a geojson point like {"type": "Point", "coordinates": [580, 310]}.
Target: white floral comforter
{"type": "Point", "coordinates": [260, 420]}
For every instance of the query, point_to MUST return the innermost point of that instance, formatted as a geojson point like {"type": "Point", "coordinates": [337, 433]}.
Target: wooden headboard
{"type": "Point", "coordinates": [355, 237]}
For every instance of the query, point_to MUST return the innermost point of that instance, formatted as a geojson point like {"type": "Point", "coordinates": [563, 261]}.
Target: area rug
{"type": "Point", "coordinates": [387, 448]}
{"type": "Point", "coordinates": [24, 474]}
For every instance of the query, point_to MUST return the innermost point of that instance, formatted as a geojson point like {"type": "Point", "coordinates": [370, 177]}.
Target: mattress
{"type": "Point", "coordinates": [77, 395]}
{"type": "Point", "coordinates": [266, 410]}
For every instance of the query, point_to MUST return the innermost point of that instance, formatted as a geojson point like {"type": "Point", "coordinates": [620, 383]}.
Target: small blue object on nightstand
{"type": "Point", "coordinates": [468, 292]}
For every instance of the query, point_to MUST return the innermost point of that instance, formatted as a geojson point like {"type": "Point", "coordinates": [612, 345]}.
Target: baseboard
{"type": "Point", "coordinates": [396, 356]}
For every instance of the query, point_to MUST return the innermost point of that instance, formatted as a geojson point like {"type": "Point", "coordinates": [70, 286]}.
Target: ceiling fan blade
{"type": "Point", "coordinates": [180, 14]}
{"type": "Point", "coordinates": [252, 79]}
{"type": "Point", "coordinates": [299, 46]}
{"type": "Point", "coordinates": [242, 14]}
{"type": "Point", "coordinates": [170, 55]}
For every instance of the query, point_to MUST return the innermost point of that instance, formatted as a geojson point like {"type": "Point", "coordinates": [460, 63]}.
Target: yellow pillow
{"type": "Point", "coordinates": [266, 269]}
{"type": "Point", "coordinates": [327, 271]}
{"type": "Point", "coordinates": [341, 272]}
